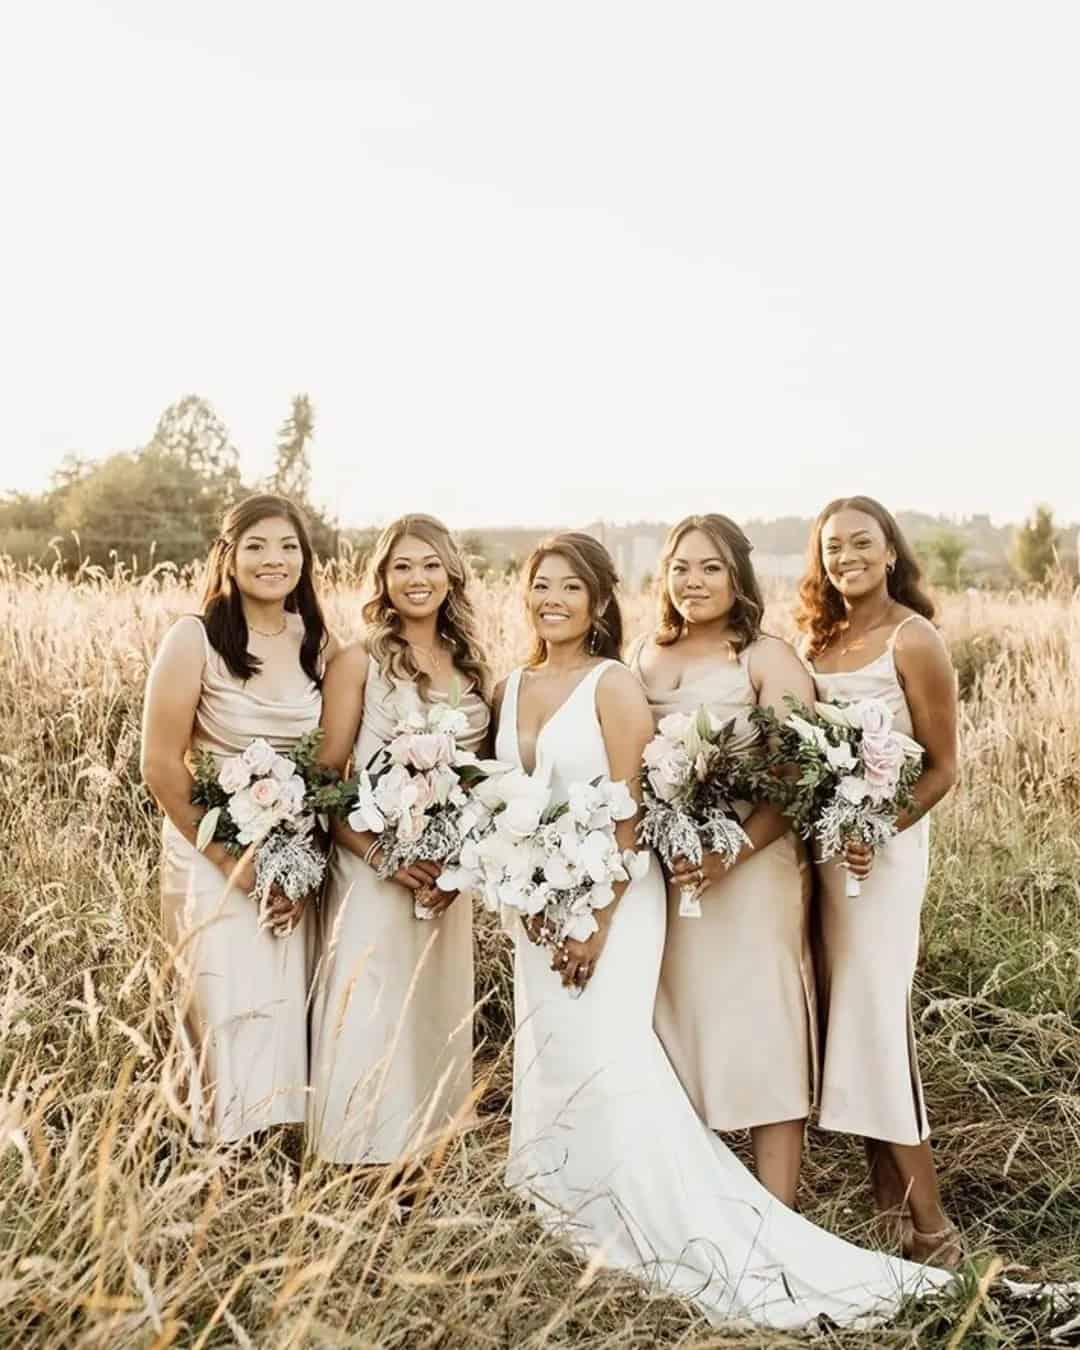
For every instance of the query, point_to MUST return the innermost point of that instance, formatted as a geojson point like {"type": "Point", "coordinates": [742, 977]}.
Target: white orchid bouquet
{"type": "Point", "coordinates": [559, 861]}
{"type": "Point", "coordinates": [261, 799]}
{"type": "Point", "coordinates": [690, 779]}
{"type": "Point", "coordinates": [856, 772]}
{"type": "Point", "coordinates": [417, 794]}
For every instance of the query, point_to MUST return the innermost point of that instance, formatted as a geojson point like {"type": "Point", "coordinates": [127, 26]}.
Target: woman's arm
{"type": "Point", "coordinates": [929, 681]}
{"type": "Point", "coordinates": [627, 726]}
{"type": "Point", "coordinates": [173, 689]}
{"type": "Point", "coordinates": [926, 673]}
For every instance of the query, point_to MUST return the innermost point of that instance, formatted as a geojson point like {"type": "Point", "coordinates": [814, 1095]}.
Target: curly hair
{"type": "Point", "coordinates": [222, 605]}
{"type": "Point", "coordinates": [593, 564]}
{"type": "Point", "coordinates": [457, 623]}
{"type": "Point", "coordinates": [732, 545]}
{"type": "Point", "coordinates": [822, 614]}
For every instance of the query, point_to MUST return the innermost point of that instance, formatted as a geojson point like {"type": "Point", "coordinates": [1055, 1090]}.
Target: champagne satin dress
{"type": "Point", "coordinates": [735, 1005]}
{"type": "Point", "coordinates": [392, 1015]}
{"type": "Point", "coordinates": [241, 997]}
{"type": "Point", "coordinates": [870, 1082]}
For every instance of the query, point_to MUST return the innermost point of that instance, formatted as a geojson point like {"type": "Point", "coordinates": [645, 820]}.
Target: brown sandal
{"type": "Point", "coordinates": [943, 1248]}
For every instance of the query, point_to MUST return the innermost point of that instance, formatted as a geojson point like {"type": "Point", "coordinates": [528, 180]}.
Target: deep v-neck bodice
{"type": "Point", "coordinates": [569, 745]}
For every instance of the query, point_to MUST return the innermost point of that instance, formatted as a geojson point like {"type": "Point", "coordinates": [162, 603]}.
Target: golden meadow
{"type": "Point", "coordinates": [115, 1231]}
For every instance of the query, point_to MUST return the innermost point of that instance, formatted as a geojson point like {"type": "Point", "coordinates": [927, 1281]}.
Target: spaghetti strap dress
{"type": "Point", "coordinates": [239, 1061]}
{"type": "Point", "coordinates": [869, 947]}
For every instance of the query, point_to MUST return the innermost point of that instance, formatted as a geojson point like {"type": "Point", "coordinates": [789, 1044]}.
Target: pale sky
{"type": "Point", "coordinates": [536, 264]}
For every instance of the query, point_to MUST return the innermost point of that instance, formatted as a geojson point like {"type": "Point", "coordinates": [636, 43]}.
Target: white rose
{"type": "Point", "coordinates": [234, 775]}
{"type": "Point", "coordinates": [282, 768]}
{"type": "Point", "coordinates": [259, 756]}
{"type": "Point", "coordinates": [674, 726]}
{"type": "Point", "coordinates": [519, 818]}
{"type": "Point", "coordinates": [242, 807]}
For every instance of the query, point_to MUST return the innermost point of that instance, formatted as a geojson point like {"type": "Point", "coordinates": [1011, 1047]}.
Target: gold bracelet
{"type": "Point", "coordinates": [370, 851]}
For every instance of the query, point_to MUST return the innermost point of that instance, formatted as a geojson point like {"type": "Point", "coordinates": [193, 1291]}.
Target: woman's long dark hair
{"type": "Point", "coordinates": [592, 563]}
{"type": "Point", "coordinates": [821, 613]}
{"type": "Point", "coordinates": [735, 548]}
{"type": "Point", "coordinates": [222, 603]}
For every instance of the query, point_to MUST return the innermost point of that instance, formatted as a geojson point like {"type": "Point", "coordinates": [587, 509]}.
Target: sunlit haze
{"type": "Point", "coordinates": [543, 264]}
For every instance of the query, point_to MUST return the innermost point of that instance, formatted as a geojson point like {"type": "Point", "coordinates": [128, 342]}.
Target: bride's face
{"type": "Point", "coordinates": [558, 602]}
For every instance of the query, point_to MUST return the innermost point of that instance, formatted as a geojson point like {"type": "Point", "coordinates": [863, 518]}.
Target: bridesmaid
{"type": "Point", "coordinates": [250, 666]}
{"type": "Point", "coordinates": [734, 1007]}
{"type": "Point", "coordinates": [869, 635]}
{"type": "Point", "coordinates": [392, 1018]}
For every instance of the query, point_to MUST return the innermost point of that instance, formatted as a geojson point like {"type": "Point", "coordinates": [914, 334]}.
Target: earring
{"type": "Point", "coordinates": [594, 639]}
{"type": "Point", "coordinates": [890, 566]}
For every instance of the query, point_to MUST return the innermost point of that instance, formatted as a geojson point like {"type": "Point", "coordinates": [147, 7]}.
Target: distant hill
{"type": "Point", "coordinates": [779, 545]}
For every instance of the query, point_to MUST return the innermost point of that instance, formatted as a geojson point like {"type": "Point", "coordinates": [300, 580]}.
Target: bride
{"type": "Point", "coordinates": [604, 1141]}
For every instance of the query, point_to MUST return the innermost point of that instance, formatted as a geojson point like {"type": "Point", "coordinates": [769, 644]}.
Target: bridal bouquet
{"type": "Point", "coordinates": [417, 794]}
{"type": "Point", "coordinates": [261, 799]}
{"type": "Point", "coordinates": [690, 778]}
{"type": "Point", "coordinates": [560, 861]}
{"type": "Point", "coordinates": [856, 772]}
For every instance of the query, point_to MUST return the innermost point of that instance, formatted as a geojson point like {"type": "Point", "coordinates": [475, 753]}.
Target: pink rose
{"type": "Point", "coordinates": [429, 749]}
{"type": "Point", "coordinates": [883, 758]}
{"type": "Point", "coordinates": [265, 792]}
{"type": "Point", "coordinates": [426, 793]}
{"type": "Point", "coordinates": [872, 716]}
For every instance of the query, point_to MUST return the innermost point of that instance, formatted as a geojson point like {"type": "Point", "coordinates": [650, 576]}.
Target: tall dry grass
{"type": "Point", "coordinates": [116, 1231]}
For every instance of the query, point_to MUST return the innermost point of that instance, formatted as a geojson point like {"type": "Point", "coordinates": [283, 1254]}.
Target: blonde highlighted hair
{"type": "Point", "coordinates": [457, 624]}
{"type": "Point", "coordinates": [735, 548]}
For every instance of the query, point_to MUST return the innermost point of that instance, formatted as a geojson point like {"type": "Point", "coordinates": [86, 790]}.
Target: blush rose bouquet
{"type": "Point", "coordinates": [855, 772]}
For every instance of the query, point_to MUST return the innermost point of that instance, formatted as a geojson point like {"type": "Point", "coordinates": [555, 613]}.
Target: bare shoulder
{"type": "Point", "coordinates": [641, 649]}
{"type": "Point", "coordinates": [185, 643]}
{"type": "Point", "coordinates": [918, 639]}
{"type": "Point", "coordinates": [349, 662]}
{"type": "Point", "coordinates": [771, 655]}
{"type": "Point", "coordinates": [619, 690]}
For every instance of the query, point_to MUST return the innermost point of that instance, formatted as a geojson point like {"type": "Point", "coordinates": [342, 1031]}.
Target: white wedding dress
{"type": "Point", "coordinates": [605, 1142]}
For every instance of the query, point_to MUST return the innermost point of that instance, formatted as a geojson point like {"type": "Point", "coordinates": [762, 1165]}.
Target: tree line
{"type": "Point", "coordinates": [163, 502]}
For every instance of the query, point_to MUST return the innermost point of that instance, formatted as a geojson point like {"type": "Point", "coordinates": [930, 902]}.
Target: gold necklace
{"type": "Point", "coordinates": [868, 628]}
{"type": "Point", "coordinates": [431, 652]}
{"type": "Point", "coordinates": [261, 633]}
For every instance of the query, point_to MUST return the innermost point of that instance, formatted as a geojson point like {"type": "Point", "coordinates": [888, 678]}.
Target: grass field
{"type": "Point", "coordinates": [115, 1231]}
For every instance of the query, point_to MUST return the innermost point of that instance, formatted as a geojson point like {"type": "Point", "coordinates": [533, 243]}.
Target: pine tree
{"type": "Point", "coordinates": [1034, 547]}
{"type": "Point", "coordinates": [292, 469]}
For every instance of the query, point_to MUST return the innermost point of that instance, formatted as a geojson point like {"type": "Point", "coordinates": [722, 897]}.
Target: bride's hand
{"type": "Point", "coordinates": [574, 962]}
{"type": "Point", "coordinates": [534, 928]}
